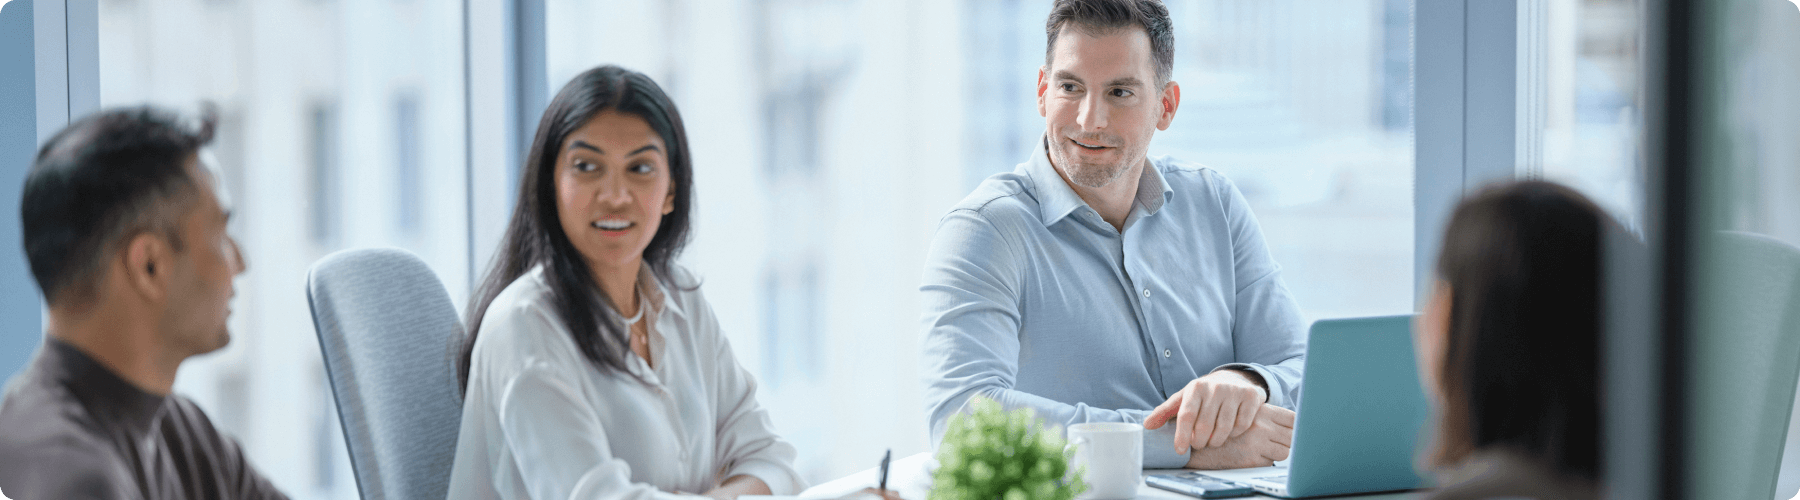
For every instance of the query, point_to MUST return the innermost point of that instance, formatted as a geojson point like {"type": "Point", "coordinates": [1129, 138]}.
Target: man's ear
{"type": "Point", "coordinates": [1171, 99]}
{"type": "Point", "coordinates": [1043, 85]}
{"type": "Point", "coordinates": [147, 261]}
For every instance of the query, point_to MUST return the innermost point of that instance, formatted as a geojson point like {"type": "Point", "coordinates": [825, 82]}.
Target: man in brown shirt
{"type": "Point", "coordinates": [126, 237]}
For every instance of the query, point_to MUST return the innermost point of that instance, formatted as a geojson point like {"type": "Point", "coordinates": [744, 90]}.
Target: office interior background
{"type": "Point", "coordinates": [830, 135]}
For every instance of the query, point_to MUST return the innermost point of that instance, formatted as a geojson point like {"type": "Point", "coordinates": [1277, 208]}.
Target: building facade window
{"type": "Point", "coordinates": [341, 126]}
{"type": "Point", "coordinates": [409, 209]}
{"type": "Point", "coordinates": [322, 175]}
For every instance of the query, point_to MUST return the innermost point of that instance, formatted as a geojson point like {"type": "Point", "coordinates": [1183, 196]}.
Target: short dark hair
{"type": "Point", "coordinates": [99, 182]}
{"type": "Point", "coordinates": [1105, 17]}
{"type": "Point", "coordinates": [535, 236]}
{"type": "Point", "coordinates": [1522, 350]}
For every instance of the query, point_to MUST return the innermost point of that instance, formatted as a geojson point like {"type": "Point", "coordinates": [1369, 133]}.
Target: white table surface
{"type": "Point", "coordinates": [911, 477]}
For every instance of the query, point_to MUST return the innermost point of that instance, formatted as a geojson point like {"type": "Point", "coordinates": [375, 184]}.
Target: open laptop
{"type": "Point", "coordinates": [1361, 411]}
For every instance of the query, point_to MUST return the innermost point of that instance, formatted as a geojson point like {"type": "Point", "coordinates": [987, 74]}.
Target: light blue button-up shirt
{"type": "Point", "coordinates": [1033, 300]}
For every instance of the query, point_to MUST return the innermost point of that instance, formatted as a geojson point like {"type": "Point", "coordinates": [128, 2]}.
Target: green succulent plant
{"type": "Point", "coordinates": [994, 454]}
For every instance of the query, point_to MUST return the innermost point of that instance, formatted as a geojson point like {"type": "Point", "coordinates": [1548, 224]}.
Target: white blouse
{"type": "Point", "coordinates": [540, 421]}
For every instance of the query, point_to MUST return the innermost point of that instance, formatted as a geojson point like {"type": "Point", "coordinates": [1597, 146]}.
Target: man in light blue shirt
{"type": "Point", "coordinates": [1095, 284]}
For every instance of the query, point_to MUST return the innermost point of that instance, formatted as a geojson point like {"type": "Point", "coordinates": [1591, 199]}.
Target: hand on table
{"type": "Point", "coordinates": [1211, 410]}
{"type": "Point", "coordinates": [1270, 436]}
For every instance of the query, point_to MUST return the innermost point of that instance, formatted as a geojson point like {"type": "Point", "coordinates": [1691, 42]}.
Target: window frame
{"type": "Point", "coordinates": [65, 68]}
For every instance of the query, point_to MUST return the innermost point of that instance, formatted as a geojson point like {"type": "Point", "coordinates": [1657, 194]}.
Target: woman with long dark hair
{"type": "Point", "coordinates": [1509, 345]}
{"type": "Point", "coordinates": [593, 367]}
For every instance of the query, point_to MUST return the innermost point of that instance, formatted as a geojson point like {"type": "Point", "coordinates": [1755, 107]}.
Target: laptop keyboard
{"type": "Point", "coordinates": [1279, 479]}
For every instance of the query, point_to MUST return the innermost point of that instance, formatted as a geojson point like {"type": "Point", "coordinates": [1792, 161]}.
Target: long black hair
{"type": "Point", "coordinates": [1522, 350]}
{"type": "Point", "coordinates": [535, 237]}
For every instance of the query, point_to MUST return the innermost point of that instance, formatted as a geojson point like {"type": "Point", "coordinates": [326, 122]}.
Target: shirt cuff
{"type": "Point", "coordinates": [1277, 396]}
{"type": "Point", "coordinates": [779, 479]}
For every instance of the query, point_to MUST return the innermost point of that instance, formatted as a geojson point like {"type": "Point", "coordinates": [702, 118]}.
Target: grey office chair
{"type": "Point", "coordinates": [1749, 347]}
{"type": "Point", "coordinates": [390, 338]}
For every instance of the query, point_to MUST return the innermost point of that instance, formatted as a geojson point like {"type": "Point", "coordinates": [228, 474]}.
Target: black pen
{"type": "Point", "coordinates": [884, 468]}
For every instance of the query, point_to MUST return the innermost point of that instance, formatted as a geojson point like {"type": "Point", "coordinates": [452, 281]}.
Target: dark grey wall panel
{"type": "Point", "coordinates": [21, 313]}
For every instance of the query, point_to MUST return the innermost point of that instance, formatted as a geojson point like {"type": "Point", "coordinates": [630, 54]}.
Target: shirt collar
{"type": "Point", "coordinates": [1152, 192]}
{"type": "Point", "coordinates": [1057, 200]}
{"type": "Point", "coordinates": [654, 291]}
{"type": "Point", "coordinates": [111, 399]}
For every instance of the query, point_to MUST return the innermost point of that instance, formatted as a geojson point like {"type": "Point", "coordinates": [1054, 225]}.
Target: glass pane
{"type": "Point", "coordinates": [830, 135]}
{"type": "Point", "coordinates": [1745, 340]}
{"type": "Point", "coordinates": [1580, 98]}
{"type": "Point", "coordinates": [823, 134]}
{"type": "Point", "coordinates": [341, 126]}
{"type": "Point", "coordinates": [1306, 107]}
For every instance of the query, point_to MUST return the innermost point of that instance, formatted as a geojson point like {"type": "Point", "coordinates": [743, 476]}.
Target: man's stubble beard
{"type": "Point", "coordinates": [1097, 177]}
{"type": "Point", "coordinates": [1089, 175]}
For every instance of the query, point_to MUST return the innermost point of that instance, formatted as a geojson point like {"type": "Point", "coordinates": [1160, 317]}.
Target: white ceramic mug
{"type": "Point", "coordinates": [1113, 453]}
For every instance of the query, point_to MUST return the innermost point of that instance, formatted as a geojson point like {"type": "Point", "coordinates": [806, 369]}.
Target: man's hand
{"type": "Point", "coordinates": [1267, 441]}
{"type": "Point", "coordinates": [1211, 410]}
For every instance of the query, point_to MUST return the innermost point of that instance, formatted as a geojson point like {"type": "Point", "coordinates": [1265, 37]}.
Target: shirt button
{"type": "Point", "coordinates": [1146, 293]}
{"type": "Point", "coordinates": [1167, 353]}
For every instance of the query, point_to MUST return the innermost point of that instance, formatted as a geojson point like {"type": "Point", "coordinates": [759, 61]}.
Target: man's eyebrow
{"type": "Point", "coordinates": [1129, 81]}
{"type": "Point", "coordinates": [580, 144]}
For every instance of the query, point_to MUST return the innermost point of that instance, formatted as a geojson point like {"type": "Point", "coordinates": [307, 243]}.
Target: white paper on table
{"type": "Point", "coordinates": [858, 496]}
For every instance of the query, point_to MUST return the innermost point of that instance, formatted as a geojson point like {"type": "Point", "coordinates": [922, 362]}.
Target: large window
{"type": "Point", "coordinates": [1748, 188]}
{"type": "Point", "coordinates": [1579, 113]}
{"type": "Point", "coordinates": [830, 136]}
{"type": "Point", "coordinates": [826, 138]}
{"type": "Point", "coordinates": [1306, 106]}
{"type": "Point", "coordinates": [341, 127]}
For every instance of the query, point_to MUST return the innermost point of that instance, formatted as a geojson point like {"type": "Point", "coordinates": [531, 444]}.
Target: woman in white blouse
{"type": "Point", "coordinates": [593, 367]}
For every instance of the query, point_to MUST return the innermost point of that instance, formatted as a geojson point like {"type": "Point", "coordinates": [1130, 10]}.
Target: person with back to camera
{"type": "Point", "coordinates": [1094, 283]}
{"type": "Point", "coordinates": [125, 229]}
{"type": "Point", "coordinates": [594, 368]}
{"type": "Point", "coordinates": [1509, 346]}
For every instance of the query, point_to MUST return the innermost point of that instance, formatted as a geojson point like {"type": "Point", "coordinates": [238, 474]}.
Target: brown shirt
{"type": "Point", "coordinates": [70, 428]}
{"type": "Point", "coordinates": [1494, 474]}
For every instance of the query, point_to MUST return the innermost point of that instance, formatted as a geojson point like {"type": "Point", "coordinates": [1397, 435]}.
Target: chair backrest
{"type": "Point", "coordinates": [389, 335]}
{"type": "Point", "coordinates": [1749, 362]}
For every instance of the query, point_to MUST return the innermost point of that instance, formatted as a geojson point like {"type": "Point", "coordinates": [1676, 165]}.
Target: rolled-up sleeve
{"type": "Point", "coordinates": [972, 323]}
{"type": "Point", "coordinates": [1268, 332]}
{"type": "Point", "coordinates": [971, 317]}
